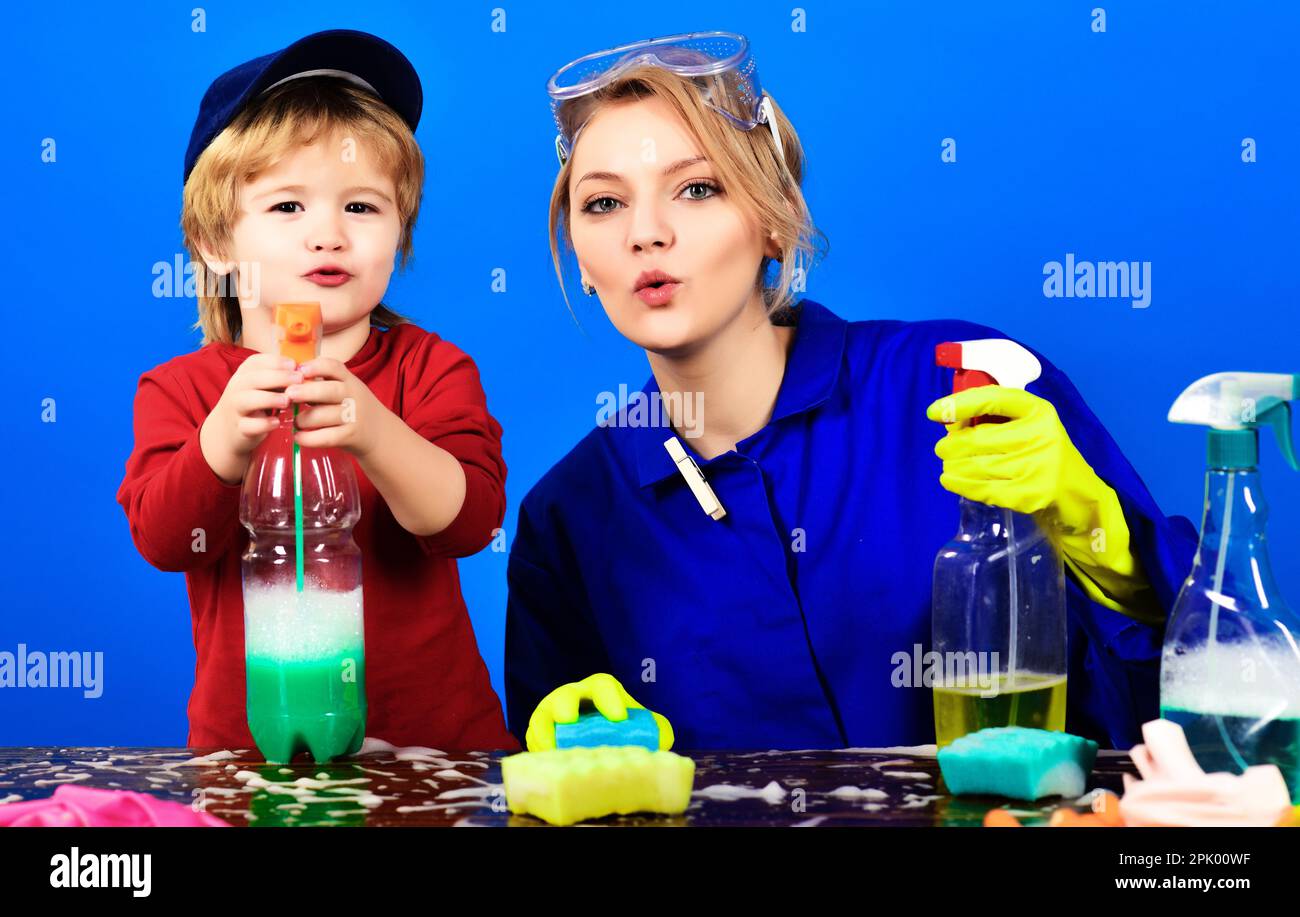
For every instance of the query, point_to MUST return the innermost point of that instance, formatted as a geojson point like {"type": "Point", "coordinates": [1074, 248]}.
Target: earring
{"type": "Point", "coordinates": [588, 288]}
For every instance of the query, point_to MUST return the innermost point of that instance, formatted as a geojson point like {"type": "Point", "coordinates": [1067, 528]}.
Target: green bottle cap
{"type": "Point", "coordinates": [1232, 449]}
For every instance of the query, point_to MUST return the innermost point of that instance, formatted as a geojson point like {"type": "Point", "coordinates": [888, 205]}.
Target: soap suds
{"type": "Point", "coordinates": [66, 778]}
{"type": "Point", "coordinates": [473, 792]}
{"type": "Point", "coordinates": [772, 793]}
{"type": "Point", "coordinates": [852, 792]}
{"type": "Point", "coordinates": [912, 801]}
{"type": "Point", "coordinates": [456, 775]}
{"type": "Point", "coordinates": [204, 761]}
{"type": "Point", "coordinates": [810, 822]}
{"type": "Point", "coordinates": [916, 751]}
{"type": "Point", "coordinates": [302, 789]}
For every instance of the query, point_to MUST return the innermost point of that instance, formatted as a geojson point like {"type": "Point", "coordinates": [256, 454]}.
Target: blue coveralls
{"type": "Point", "coordinates": [746, 635]}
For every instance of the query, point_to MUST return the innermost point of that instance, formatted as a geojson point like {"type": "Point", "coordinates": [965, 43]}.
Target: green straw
{"type": "Point", "coordinates": [297, 501]}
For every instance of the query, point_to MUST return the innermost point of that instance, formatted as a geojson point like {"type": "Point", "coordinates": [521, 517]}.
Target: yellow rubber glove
{"type": "Point", "coordinates": [1029, 465]}
{"type": "Point", "coordinates": [562, 706]}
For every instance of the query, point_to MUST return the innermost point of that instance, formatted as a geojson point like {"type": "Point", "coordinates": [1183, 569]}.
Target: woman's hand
{"type": "Point", "coordinates": [338, 409]}
{"type": "Point", "coordinates": [1027, 464]}
{"type": "Point", "coordinates": [561, 706]}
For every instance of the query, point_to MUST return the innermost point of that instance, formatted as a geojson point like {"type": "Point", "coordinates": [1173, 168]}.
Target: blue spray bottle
{"type": "Point", "coordinates": [1230, 668]}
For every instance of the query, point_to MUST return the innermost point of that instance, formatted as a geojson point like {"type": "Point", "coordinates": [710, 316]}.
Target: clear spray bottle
{"type": "Point", "coordinates": [998, 614]}
{"type": "Point", "coordinates": [1230, 667]}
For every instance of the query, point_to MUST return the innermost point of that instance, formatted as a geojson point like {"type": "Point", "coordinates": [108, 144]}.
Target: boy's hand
{"type": "Point", "coordinates": [247, 411]}
{"type": "Point", "coordinates": [338, 409]}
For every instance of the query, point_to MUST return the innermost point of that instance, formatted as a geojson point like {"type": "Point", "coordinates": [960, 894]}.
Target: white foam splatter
{"type": "Point", "coordinates": [912, 801]}
{"type": "Point", "coordinates": [853, 792]}
{"type": "Point", "coordinates": [204, 761]}
{"type": "Point", "coordinates": [773, 793]}
{"type": "Point", "coordinates": [810, 822]}
{"type": "Point", "coordinates": [371, 770]}
{"type": "Point", "coordinates": [907, 775]}
{"type": "Point", "coordinates": [434, 806]}
{"type": "Point", "coordinates": [372, 746]}
{"type": "Point", "coordinates": [302, 788]}
{"type": "Point", "coordinates": [457, 775]}
{"type": "Point", "coordinates": [416, 753]}
{"type": "Point", "coordinates": [473, 792]}
{"type": "Point", "coordinates": [64, 778]}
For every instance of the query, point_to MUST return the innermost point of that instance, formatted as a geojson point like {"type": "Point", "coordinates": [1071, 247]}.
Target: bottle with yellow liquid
{"type": "Point", "coordinates": [998, 614]}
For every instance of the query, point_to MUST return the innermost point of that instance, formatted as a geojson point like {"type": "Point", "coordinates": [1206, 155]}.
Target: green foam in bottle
{"type": "Point", "coordinates": [304, 628]}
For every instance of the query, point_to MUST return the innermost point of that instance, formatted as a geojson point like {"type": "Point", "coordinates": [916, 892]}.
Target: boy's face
{"type": "Point", "coordinates": [325, 205]}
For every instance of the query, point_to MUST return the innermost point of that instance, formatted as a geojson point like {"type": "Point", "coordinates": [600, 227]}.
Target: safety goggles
{"type": "Point", "coordinates": [719, 63]}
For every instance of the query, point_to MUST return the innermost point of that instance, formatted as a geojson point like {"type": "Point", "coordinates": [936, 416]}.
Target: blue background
{"type": "Point", "coordinates": [1117, 146]}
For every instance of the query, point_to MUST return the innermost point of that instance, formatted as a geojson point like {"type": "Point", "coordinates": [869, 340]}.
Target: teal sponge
{"type": "Point", "coordinates": [1017, 762]}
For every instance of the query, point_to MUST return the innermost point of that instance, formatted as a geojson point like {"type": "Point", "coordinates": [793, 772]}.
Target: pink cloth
{"type": "Point", "coordinates": [88, 807]}
{"type": "Point", "coordinates": [1174, 791]}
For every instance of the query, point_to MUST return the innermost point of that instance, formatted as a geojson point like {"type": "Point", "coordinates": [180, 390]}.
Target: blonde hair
{"type": "Point", "coordinates": [298, 113]}
{"type": "Point", "coordinates": [746, 163]}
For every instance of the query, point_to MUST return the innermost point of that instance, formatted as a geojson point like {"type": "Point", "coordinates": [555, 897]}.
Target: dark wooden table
{"type": "Point", "coordinates": [425, 787]}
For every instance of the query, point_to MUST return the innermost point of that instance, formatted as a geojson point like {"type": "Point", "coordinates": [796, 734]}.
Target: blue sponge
{"type": "Point", "coordinates": [593, 729]}
{"type": "Point", "coordinates": [1017, 762]}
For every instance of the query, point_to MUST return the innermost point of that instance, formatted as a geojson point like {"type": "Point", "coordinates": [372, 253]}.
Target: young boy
{"type": "Point", "coordinates": [302, 182]}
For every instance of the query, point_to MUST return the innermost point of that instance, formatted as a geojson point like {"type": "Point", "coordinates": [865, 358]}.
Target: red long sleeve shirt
{"type": "Point", "coordinates": [426, 683]}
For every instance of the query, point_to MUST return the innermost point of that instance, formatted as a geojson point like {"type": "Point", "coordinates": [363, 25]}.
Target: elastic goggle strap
{"type": "Point", "coordinates": [766, 115]}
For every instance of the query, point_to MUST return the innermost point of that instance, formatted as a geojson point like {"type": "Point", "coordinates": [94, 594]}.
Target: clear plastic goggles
{"type": "Point", "coordinates": [719, 63]}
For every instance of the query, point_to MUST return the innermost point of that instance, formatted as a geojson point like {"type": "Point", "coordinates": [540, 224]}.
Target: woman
{"type": "Point", "coordinates": [765, 605]}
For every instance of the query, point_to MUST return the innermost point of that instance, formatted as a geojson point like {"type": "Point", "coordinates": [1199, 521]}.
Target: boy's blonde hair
{"type": "Point", "coordinates": [300, 112]}
{"type": "Point", "coordinates": [746, 163]}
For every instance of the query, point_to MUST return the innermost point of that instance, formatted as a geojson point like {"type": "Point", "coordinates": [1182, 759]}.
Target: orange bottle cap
{"type": "Point", "coordinates": [298, 326]}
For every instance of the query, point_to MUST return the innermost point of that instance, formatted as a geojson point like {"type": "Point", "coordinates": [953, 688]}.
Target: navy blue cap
{"type": "Point", "coordinates": [357, 56]}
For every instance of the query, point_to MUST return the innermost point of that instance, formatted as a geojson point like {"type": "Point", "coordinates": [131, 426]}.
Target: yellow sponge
{"type": "Point", "coordinates": [568, 785]}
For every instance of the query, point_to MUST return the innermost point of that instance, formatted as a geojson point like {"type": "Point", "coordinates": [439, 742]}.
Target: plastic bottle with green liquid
{"type": "Point", "coordinates": [1230, 667]}
{"type": "Point", "coordinates": [998, 612]}
{"type": "Point", "coordinates": [303, 623]}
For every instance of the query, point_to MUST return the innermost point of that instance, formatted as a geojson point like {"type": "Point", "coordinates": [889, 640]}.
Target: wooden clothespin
{"type": "Point", "coordinates": [694, 478]}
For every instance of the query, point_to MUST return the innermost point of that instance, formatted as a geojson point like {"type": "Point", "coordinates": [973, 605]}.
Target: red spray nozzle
{"type": "Point", "coordinates": [992, 361]}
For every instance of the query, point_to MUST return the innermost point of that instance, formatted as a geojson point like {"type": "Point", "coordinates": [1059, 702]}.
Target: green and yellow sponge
{"type": "Point", "coordinates": [568, 785]}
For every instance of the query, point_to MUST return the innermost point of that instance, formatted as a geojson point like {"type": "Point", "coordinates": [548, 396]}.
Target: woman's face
{"type": "Point", "coordinates": [643, 198]}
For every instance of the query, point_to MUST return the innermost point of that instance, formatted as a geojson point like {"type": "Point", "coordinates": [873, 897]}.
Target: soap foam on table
{"type": "Point", "coordinates": [773, 793]}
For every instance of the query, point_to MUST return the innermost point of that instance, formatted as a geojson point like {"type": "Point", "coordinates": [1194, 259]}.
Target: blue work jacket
{"type": "Point", "coordinates": [779, 625]}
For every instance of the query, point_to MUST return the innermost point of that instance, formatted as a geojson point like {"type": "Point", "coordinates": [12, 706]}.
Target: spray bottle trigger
{"type": "Point", "coordinates": [1279, 418]}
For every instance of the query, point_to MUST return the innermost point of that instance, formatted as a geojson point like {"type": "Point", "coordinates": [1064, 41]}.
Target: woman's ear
{"type": "Point", "coordinates": [772, 247]}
